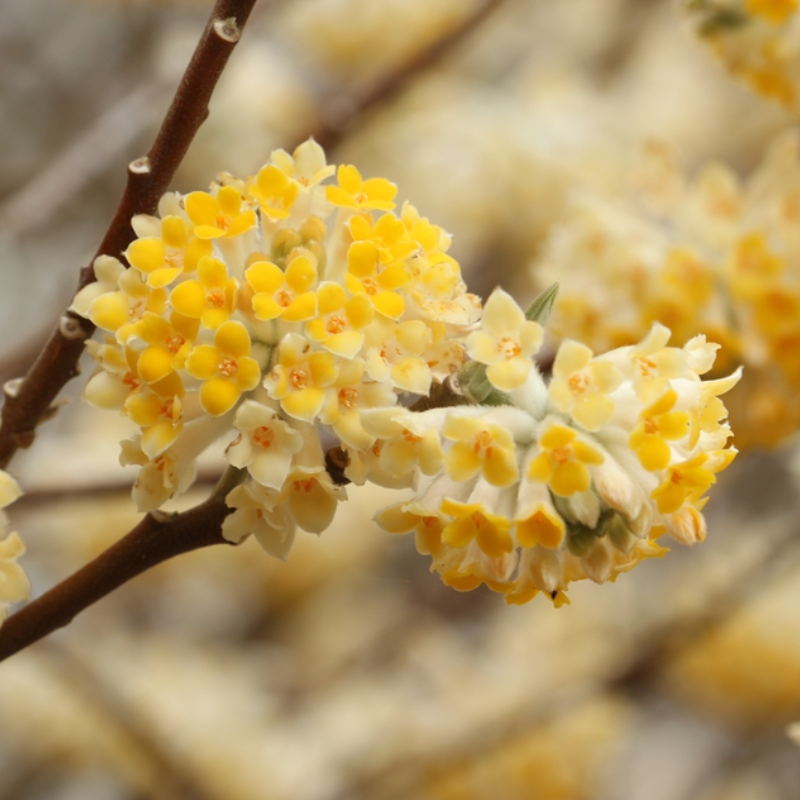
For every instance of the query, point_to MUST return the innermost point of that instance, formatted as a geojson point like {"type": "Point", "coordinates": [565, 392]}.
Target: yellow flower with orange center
{"type": "Point", "coordinates": [275, 192]}
{"type": "Point", "coordinates": [288, 295]}
{"type": "Point", "coordinates": [211, 298]}
{"type": "Point", "coordinates": [581, 385]}
{"type": "Point", "coordinates": [300, 377]}
{"type": "Point", "coordinates": [480, 446]}
{"type": "Point", "coordinates": [162, 259]}
{"type": "Point", "coordinates": [475, 522]}
{"type": "Point", "coordinates": [658, 425]}
{"type": "Point", "coordinates": [221, 216]}
{"type": "Point", "coordinates": [225, 368]}
{"type": "Point", "coordinates": [354, 192]}
{"type": "Point", "coordinates": [564, 461]}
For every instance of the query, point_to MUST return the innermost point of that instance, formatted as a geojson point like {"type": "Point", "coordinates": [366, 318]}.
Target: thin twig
{"type": "Point", "coordinates": [29, 403]}
{"type": "Point", "coordinates": [151, 542]}
{"type": "Point", "coordinates": [331, 131]}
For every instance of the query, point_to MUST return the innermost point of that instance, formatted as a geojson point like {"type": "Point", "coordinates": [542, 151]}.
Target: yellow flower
{"type": "Point", "coordinates": [659, 424]}
{"type": "Point", "coordinates": [339, 326]}
{"type": "Point", "coordinates": [399, 352]}
{"type": "Point", "coordinates": [366, 275]}
{"type": "Point", "coordinates": [580, 386]}
{"type": "Point", "coordinates": [354, 192]}
{"type": "Point", "coordinates": [388, 234]}
{"type": "Point", "coordinates": [211, 298]}
{"type": "Point", "coordinates": [275, 192]}
{"type": "Point", "coordinates": [407, 443]}
{"type": "Point", "coordinates": [118, 299]}
{"type": "Point", "coordinates": [480, 446]}
{"type": "Point", "coordinates": [563, 461]}
{"type": "Point", "coordinates": [345, 399]}
{"type": "Point", "coordinates": [225, 368]}
{"type": "Point", "coordinates": [158, 410]}
{"type": "Point", "coordinates": [307, 165]}
{"type": "Point", "coordinates": [505, 342]}
{"type": "Point", "coordinates": [169, 344]}
{"type": "Point", "coordinates": [428, 528]}
{"type": "Point", "coordinates": [537, 521]}
{"type": "Point", "coordinates": [164, 258]}
{"type": "Point", "coordinates": [116, 377]}
{"type": "Point", "coordinates": [221, 216]}
{"type": "Point", "coordinates": [685, 482]}
{"type": "Point", "coordinates": [283, 294]}
{"type": "Point", "coordinates": [475, 522]}
{"type": "Point", "coordinates": [300, 377]}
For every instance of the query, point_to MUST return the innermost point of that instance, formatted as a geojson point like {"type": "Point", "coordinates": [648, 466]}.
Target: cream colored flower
{"type": "Point", "coordinates": [505, 342]}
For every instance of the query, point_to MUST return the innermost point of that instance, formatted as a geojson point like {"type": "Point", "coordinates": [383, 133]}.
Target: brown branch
{"type": "Point", "coordinates": [150, 543]}
{"type": "Point", "coordinates": [28, 403]}
{"type": "Point", "coordinates": [330, 132]}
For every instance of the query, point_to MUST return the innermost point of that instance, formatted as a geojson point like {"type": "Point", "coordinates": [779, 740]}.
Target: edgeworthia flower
{"type": "Point", "coordinates": [328, 338]}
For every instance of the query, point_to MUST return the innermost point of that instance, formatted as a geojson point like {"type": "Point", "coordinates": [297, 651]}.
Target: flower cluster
{"type": "Point", "coordinates": [280, 308]}
{"type": "Point", "coordinates": [311, 323]}
{"type": "Point", "coordinates": [756, 40]}
{"type": "Point", "coordinates": [14, 585]}
{"type": "Point", "coordinates": [711, 254]}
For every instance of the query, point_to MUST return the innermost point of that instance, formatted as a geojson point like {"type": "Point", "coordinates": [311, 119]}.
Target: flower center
{"type": "Point", "coordinates": [228, 367]}
{"type": "Point", "coordinates": [348, 397]}
{"type": "Point", "coordinates": [561, 455]}
{"type": "Point", "coordinates": [410, 437]}
{"type": "Point", "coordinates": [131, 380]}
{"type": "Point", "coordinates": [578, 383]}
{"type": "Point", "coordinates": [508, 348]}
{"type": "Point", "coordinates": [222, 222]}
{"type": "Point", "coordinates": [215, 298]}
{"type": "Point", "coordinates": [484, 442]}
{"type": "Point", "coordinates": [336, 324]}
{"type": "Point", "coordinates": [174, 343]}
{"type": "Point", "coordinates": [298, 377]}
{"type": "Point", "coordinates": [264, 436]}
{"type": "Point", "coordinates": [304, 485]}
{"type": "Point", "coordinates": [283, 298]}
{"type": "Point", "coordinates": [174, 259]}
{"type": "Point", "coordinates": [646, 366]}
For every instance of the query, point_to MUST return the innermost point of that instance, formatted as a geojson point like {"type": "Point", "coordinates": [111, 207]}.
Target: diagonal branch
{"type": "Point", "coordinates": [151, 542]}
{"type": "Point", "coordinates": [330, 132]}
{"type": "Point", "coordinates": [29, 402]}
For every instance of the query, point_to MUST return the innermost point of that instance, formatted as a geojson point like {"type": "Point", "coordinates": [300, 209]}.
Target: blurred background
{"type": "Point", "coordinates": [350, 671]}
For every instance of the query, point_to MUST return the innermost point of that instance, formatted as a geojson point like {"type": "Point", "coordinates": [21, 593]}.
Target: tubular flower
{"type": "Point", "coordinates": [329, 340]}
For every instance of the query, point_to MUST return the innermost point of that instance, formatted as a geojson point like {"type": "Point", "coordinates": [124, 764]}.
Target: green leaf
{"type": "Point", "coordinates": [539, 310]}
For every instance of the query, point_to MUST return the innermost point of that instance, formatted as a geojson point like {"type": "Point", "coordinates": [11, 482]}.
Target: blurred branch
{"type": "Point", "coordinates": [28, 402]}
{"type": "Point", "coordinates": [154, 540]}
{"type": "Point", "coordinates": [87, 156]}
{"type": "Point", "coordinates": [331, 131]}
{"type": "Point", "coordinates": [166, 776]}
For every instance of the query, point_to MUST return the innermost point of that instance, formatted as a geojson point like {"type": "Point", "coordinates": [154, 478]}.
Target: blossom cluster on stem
{"type": "Point", "coordinates": [291, 315]}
